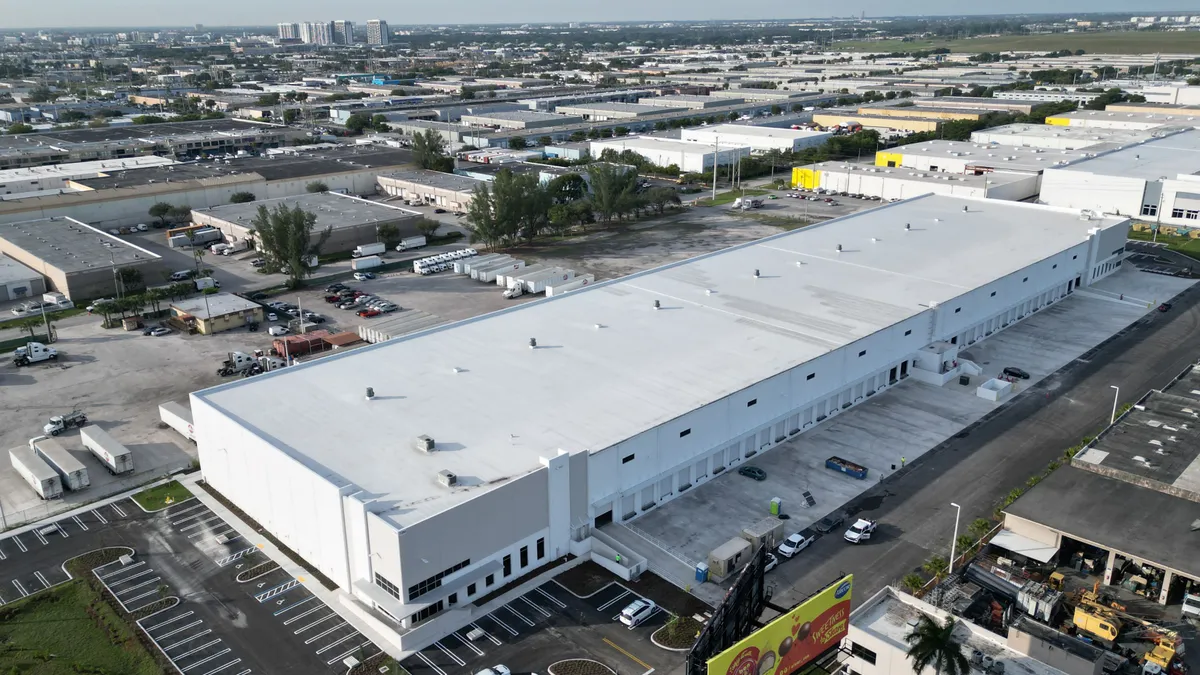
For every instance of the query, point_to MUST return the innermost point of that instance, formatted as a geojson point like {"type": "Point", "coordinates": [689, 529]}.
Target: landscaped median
{"type": "Point", "coordinates": [678, 634]}
{"type": "Point", "coordinates": [160, 497]}
{"type": "Point", "coordinates": [729, 197]}
{"type": "Point", "coordinates": [579, 667]}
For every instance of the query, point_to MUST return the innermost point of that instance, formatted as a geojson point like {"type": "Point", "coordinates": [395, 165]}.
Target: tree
{"type": "Point", "coordinates": [285, 236]}
{"type": "Point", "coordinates": [389, 234]}
{"type": "Point", "coordinates": [429, 150]}
{"type": "Point", "coordinates": [621, 131]}
{"type": "Point", "coordinates": [481, 213]}
{"type": "Point", "coordinates": [567, 188]}
{"type": "Point", "coordinates": [660, 197]}
{"type": "Point", "coordinates": [149, 119]}
{"type": "Point", "coordinates": [428, 227]}
{"type": "Point", "coordinates": [105, 309]}
{"type": "Point", "coordinates": [20, 128]}
{"type": "Point", "coordinates": [380, 123]}
{"type": "Point", "coordinates": [180, 213]}
{"type": "Point", "coordinates": [964, 545]}
{"type": "Point", "coordinates": [978, 528]}
{"type": "Point", "coordinates": [518, 143]}
{"type": "Point", "coordinates": [613, 189]}
{"type": "Point", "coordinates": [316, 186]}
{"type": "Point", "coordinates": [357, 122]}
{"type": "Point", "coordinates": [155, 296]}
{"type": "Point", "coordinates": [932, 644]}
{"type": "Point", "coordinates": [130, 277]}
{"type": "Point", "coordinates": [545, 140]}
{"type": "Point", "coordinates": [912, 583]}
{"type": "Point", "coordinates": [31, 325]}
{"type": "Point", "coordinates": [936, 566]}
{"type": "Point", "coordinates": [160, 210]}
{"type": "Point", "coordinates": [241, 197]}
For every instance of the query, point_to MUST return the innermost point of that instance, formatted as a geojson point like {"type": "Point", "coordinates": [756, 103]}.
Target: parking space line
{"type": "Point", "coordinates": [148, 593]}
{"type": "Point", "coordinates": [219, 654]}
{"type": "Point", "coordinates": [281, 588]}
{"type": "Point", "coordinates": [238, 555]}
{"type": "Point", "coordinates": [429, 663]}
{"type": "Point", "coordinates": [339, 657]}
{"type": "Point", "coordinates": [477, 650]}
{"type": "Point", "coordinates": [20, 544]}
{"type": "Point", "coordinates": [551, 598]}
{"type": "Point", "coordinates": [171, 620]}
{"type": "Point", "coordinates": [180, 512]}
{"type": "Point", "coordinates": [195, 649]}
{"type": "Point", "coordinates": [289, 608]}
{"type": "Point", "coordinates": [62, 530]}
{"type": "Point", "coordinates": [129, 578]}
{"type": "Point", "coordinates": [495, 640]}
{"type": "Point", "coordinates": [449, 653]}
{"type": "Point", "coordinates": [331, 645]}
{"type": "Point", "coordinates": [80, 523]}
{"type": "Point", "coordinates": [20, 588]}
{"type": "Point", "coordinates": [40, 537]}
{"type": "Point", "coordinates": [612, 602]}
{"type": "Point", "coordinates": [503, 625]}
{"type": "Point", "coordinates": [2, 556]}
{"type": "Point", "coordinates": [123, 591]}
{"type": "Point", "coordinates": [100, 516]}
{"type": "Point", "coordinates": [518, 614]}
{"type": "Point", "coordinates": [327, 617]}
{"type": "Point", "coordinates": [179, 630]}
{"type": "Point", "coordinates": [220, 668]}
{"type": "Point", "coordinates": [122, 569]}
{"type": "Point", "coordinates": [199, 523]}
{"type": "Point", "coordinates": [186, 640]}
{"type": "Point", "coordinates": [535, 606]}
{"type": "Point", "coordinates": [118, 510]}
{"type": "Point", "coordinates": [296, 618]}
{"type": "Point", "coordinates": [337, 627]}
{"type": "Point", "coordinates": [42, 579]}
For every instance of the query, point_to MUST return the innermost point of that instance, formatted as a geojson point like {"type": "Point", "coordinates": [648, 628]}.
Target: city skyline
{"type": "Point", "coordinates": [218, 12]}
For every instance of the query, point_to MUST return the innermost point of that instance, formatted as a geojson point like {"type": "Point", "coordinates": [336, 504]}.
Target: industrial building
{"type": "Point", "coordinates": [912, 124]}
{"type": "Point", "coordinates": [1065, 138]}
{"type": "Point", "coordinates": [944, 114]}
{"type": "Point", "coordinates": [688, 156]}
{"type": "Point", "coordinates": [124, 197]}
{"type": "Point", "coordinates": [632, 391]}
{"type": "Point", "coordinates": [208, 314]}
{"type": "Point", "coordinates": [74, 258]}
{"type": "Point", "coordinates": [18, 282]}
{"type": "Point", "coordinates": [901, 183]}
{"type": "Point", "coordinates": [447, 190]}
{"type": "Point", "coordinates": [760, 139]}
{"type": "Point", "coordinates": [37, 181]}
{"type": "Point", "coordinates": [690, 102]}
{"type": "Point", "coordinates": [1156, 181]}
{"type": "Point", "coordinates": [1111, 119]}
{"type": "Point", "coordinates": [352, 221]}
{"type": "Point", "coordinates": [608, 112]}
{"type": "Point", "coordinates": [1127, 504]}
{"type": "Point", "coordinates": [976, 103]}
{"type": "Point", "coordinates": [519, 119]}
{"type": "Point", "coordinates": [968, 157]}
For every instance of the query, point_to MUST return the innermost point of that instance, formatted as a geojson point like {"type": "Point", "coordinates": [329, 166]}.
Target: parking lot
{"type": "Point", "coordinates": [547, 625]}
{"type": "Point", "coordinates": [221, 625]}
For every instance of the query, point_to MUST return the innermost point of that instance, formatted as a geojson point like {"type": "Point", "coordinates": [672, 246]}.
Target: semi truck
{"type": "Point", "coordinates": [411, 243]}
{"type": "Point", "coordinates": [179, 418]}
{"type": "Point", "coordinates": [364, 250]}
{"type": "Point", "coordinates": [33, 352]}
{"type": "Point", "coordinates": [73, 473]}
{"type": "Point", "coordinates": [240, 362]}
{"type": "Point", "coordinates": [116, 457]}
{"type": "Point", "coordinates": [41, 477]}
{"type": "Point", "coordinates": [359, 264]}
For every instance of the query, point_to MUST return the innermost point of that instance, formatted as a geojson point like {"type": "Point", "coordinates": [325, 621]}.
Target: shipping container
{"type": "Point", "coordinates": [44, 480]}
{"type": "Point", "coordinates": [179, 418]}
{"type": "Point", "coordinates": [366, 263]}
{"type": "Point", "coordinates": [368, 250]}
{"type": "Point", "coordinates": [576, 283]}
{"type": "Point", "coordinates": [489, 276]}
{"type": "Point", "coordinates": [507, 279]}
{"type": "Point", "coordinates": [729, 557]}
{"type": "Point", "coordinates": [116, 457]}
{"type": "Point", "coordinates": [73, 473]}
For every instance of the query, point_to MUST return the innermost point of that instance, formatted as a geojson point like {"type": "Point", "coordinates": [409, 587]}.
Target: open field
{"type": "Point", "coordinates": [1119, 42]}
{"type": "Point", "coordinates": [69, 629]}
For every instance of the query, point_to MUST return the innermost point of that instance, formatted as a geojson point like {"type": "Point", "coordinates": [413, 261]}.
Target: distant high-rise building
{"type": "Point", "coordinates": [289, 31]}
{"type": "Point", "coordinates": [316, 32]}
{"type": "Point", "coordinates": [378, 32]}
{"type": "Point", "coordinates": [343, 32]}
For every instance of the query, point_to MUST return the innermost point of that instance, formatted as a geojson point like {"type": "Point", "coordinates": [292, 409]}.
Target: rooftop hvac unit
{"type": "Point", "coordinates": [424, 443]}
{"type": "Point", "coordinates": [447, 478]}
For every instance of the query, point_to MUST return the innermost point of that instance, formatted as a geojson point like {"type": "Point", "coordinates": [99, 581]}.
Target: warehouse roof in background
{"type": "Point", "coordinates": [609, 366]}
{"type": "Point", "coordinates": [1165, 157]}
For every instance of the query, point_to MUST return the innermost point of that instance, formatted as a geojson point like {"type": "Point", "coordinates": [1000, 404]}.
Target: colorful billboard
{"type": "Point", "coordinates": [791, 641]}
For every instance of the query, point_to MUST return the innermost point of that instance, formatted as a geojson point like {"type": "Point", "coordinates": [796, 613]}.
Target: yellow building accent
{"type": "Point", "coordinates": [883, 158]}
{"type": "Point", "coordinates": [809, 179]}
{"type": "Point", "coordinates": [1059, 121]}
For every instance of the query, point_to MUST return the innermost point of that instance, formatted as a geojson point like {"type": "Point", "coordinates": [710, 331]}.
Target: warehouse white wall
{"type": "Point", "coordinates": [302, 509]}
{"type": "Point", "coordinates": [1098, 192]}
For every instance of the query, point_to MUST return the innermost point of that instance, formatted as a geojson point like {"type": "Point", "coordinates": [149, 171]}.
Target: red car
{"type": "Point", "coordinates": [333, 298]}
{"type": "Point", "coordinates": [368, 313]}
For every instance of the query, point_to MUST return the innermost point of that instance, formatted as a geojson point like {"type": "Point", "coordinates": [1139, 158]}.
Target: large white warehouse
{"type": "Point", "coordinates": [687, 155]}
{"type": "Point", "coordinates": [496, 445]}
{"type": "Point", "coordinates": [760, 139]}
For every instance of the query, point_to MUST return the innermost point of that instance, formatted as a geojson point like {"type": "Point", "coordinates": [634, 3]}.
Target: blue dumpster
{"type": "Point", "coordinates": [702, 572]}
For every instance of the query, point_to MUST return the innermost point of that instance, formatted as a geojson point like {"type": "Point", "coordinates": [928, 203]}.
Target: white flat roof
{"type": "Point", "coordinates": [586, 388]}
{"type": "Point", "coordinates": [901, 173]}
{"type": "Point", "coordinates": [1001, 158]}
{"type": "Point", "coordinates": [82, 169]}
{"type": "Point", "coordinates": [1158, 158]}
{"type": "Point", "coordinates": [1081, 136]}
{"type": "Point", "coordinates": [756, 132]}
{"type": "Point", "coordinates": [1182, 117]}
{"type": "Point", "coordinates": [657, 144]}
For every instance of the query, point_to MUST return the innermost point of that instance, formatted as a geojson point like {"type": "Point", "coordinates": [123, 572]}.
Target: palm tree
{"type": "Point", "coordinates": [931, 643]}
{"type": "Point", "coordinates": [936, 566]}
{"type": "Point", "coordinates": [155, 296]}
{"type": "Point", "coordinates": [31, 325]}
{"type": "Point", "coordinates": [912, 583]}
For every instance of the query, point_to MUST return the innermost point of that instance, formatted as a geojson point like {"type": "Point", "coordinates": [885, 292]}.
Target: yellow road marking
{"type": "Point", "coordinates": [635, 659]}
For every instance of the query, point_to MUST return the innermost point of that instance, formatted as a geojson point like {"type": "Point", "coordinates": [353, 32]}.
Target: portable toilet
{"type": "Point", "coordinates": [776, 506]}
{"type": "Point", "coordinates": [701, 572]}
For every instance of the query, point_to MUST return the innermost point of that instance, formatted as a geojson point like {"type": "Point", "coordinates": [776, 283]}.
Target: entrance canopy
{"type": "Point", "coordinates": [1022, 545]}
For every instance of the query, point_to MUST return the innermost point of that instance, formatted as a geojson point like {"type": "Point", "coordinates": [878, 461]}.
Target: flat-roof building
{"type": "Point", "coordinates": [208, 314]}
{"type": "Point", "coordinates": [901, 183]}
{"type": "Point", "coordinates": [18, 282]}
{"type": "Point", "coordinates": [689, 156]}
{"type": "Point", "coordinates": [968, 157]}
{"type": "Point", "coordinates": [1111, 119]}
{"type": "Point", "coordinates": [760, 139]}
{"type": "Point", "coordinates": [76, 259]}
{"type": "Point", "coordinates": [519, 119]}
{"type": "Point", "coordinates": [975, 103]}
{"type": "Point", "coordinates": [871, 121]}
{"type": "Point", "coordinates": [631, 390]}
{"type": "Point", "coordinates": [447, 190]}
{"type": "Point", "coordinates": [352, 221]}
{"type": "Point", "coordinates": [1065, 138]}
{"type": "Point", "coordinates": [679, 101]}
{"type": "Point", "coordinates": [609, 111]}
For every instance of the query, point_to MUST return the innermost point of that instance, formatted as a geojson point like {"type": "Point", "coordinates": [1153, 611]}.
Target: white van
{"type": "Point", "coordinates": [181, 275]}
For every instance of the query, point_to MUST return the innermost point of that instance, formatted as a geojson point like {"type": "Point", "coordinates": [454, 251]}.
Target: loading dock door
{"type": "Point", "coordinates": [604, 518]}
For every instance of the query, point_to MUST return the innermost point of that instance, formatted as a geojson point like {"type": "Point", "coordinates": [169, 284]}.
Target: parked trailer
{"type": "Point", "coordinates": [366, 263]}
{"type": "Point", "coordinates": [577, 282]}
{"type": "Point", "coordinates": [507, 279]}
{"type": "Point", "coordinates": [73, 473]}
{"type": "Point", "coordinates": [364, 250]}
{"type": "Point", "coordinates": [540, 284]}
{"type": "Point", "coordinates": [41, 476]}
{"type": "Point", "coordinates": [464, 266]}
{"type": "Point", "coordinates": [179, 418]}
{"type": "Point", "coordinates": [116, 457]}
{"type": "Point", "coordinates": [489, 275]}
{"type": "Point", "coordinates": [498, 264]}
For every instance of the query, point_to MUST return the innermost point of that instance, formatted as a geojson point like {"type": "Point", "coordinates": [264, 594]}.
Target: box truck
{"type": "Point", "coordinates": [116, 457]}
{"type": "Point", "coordinates": [411, 243]}
{"type": "Point", "coordinates": [43, 479]}
{"type": "Point", "coordinates": [73, 473]}
{"type": "Point", "coordinates": [359, 264]}
{"type": "Point", "coordinates": [368, 249]}
{"type": "Point", "coordinates": [179, 418]}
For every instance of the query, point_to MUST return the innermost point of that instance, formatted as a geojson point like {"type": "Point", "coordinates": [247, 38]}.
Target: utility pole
{"type": "Point", "coordinates": [716, 164]}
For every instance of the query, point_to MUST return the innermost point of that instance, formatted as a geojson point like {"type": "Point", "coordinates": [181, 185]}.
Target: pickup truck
{"type": "Point", "coordinates": [860, 531]}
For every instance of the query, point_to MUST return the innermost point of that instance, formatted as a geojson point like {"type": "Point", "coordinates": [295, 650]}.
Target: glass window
{"type": "Point", "coordinates": [541, 548]}
{"type": "Point", "coordinates": [862, 653]}
{"type": "Point", "coordinates": [1176, 213]}
{"type": "Point", "coordinates": [1149, 209]}
{"type": "Point", "coordinates": [524, 557]}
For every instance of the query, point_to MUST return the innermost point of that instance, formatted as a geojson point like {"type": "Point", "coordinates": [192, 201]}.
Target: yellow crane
{"type": "Point", "coordinates": [1107, 620]}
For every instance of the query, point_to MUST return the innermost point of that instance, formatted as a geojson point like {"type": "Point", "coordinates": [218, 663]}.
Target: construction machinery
{"type": "Point", "coordinates": [1106, 620]}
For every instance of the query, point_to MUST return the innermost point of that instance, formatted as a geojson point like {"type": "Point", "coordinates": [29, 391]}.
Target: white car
{"type": "Point", "coordinates": [20, 310]}
{"type": "Point", "coordinates": [497, 669]}
{"type": "Point", "coordinates": [772, 563]}
{"type": "Point", "coordinates": [160, 331]}
{"type": "Point", "coordinates": [860, 531]}
{"type": "Point", "coordinates": [637, 611]}
{"type": "Point", "coordinates": [278, 330]}
{"type": "Point", "coordinates": [363, 276]}
{"type": "Point", "coordinates": [272, 316]}
{"type": "Point", "coordinates": [794, 544]}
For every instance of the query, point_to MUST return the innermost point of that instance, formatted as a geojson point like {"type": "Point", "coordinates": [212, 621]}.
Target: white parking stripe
{"type": "Point", "coordinates": [518, 614]}
{"type": "Point", "coordinates": [535, 606]}
{"type": "Point", "coordinates": [180, 512]}
{"type": "Point", "coordinates": [429, 663]}
{"type": "Point", "coordinates": [118, 510]}
{"type": "Point", "coordinates": [321, 635]}
{"type": "Point", "coordinates": [122, 570]}
{"type": "Point", "coordinates": [179, 630]}
{"type": "Point", "coordinates": [339, 657]}
{"type": "Point", "coordinates": [199, 523]}
{"type": "Point", "coordinates": [20, 544]}
{"type": "Point", "coordinates": [295, 605]}
{"type": "Point", "coordinates": [327, 617]}
{"type": "Point", "coordinates": [551, 598]}
{"type": "Point", "coordinates": [42, 579]}
{"type": "Point", "coordinates": [80, 523]}
{"type": "Point", "coordinates": [196, 649]}
{"type": "Point", "coordinates": [20, 588]}
{"type": "Point", "coordinates": [296, 618]}
{"type": "Point", "coordinates": [219, 654]}
{"type": "Point", "coordinates": [331, 645]}
{"type": "Point", "coordinates": [486, 634]}
{"type": "Point", "coordinates": [187, 640]}
{"type": "Point", "coordinates": [129, 578]}
{"type": "Point", "coordinates": [2, 556]}
{"type": "Point", "coordinates": [171, 620]}
{"type": "Point", "coordinates": [449, 653]}
{"type": "Point", "coordinates": [100, 516]}
{"type": "Point", "coordinates": [612, 602]}
{"type": "Point", "coordinates": [40, 537]}
{"type": "Point", "coordinates": [467, 642]}
{"type": "Point", "coordinates": [62, 530]}
{"type": "Point", "coordinates": [135, 598]}
{"type": "Point", "coordinates": [220, 668]}
{"type": "Point", "coordinates": [503, 625]}
{"type": "Point", "coordinates": [123, 591]}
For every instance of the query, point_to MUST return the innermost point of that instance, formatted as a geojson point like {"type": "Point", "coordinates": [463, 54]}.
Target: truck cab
{"type": "Point", "coordinates": [34, 352]}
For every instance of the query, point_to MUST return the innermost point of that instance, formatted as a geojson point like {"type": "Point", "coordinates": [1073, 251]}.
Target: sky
{"type": "Point", "coordinates": [132, 13]}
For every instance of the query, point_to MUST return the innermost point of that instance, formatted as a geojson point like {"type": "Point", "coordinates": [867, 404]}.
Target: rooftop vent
{"type": "Point", "coordinates": [533, 341]}
{"type": "Point", "coordinates": [908, 227]}
{"type": "Point", "coordinates": [424, 443]}
{"type": "Point", "coordinates": [370, 393]}
{"type": "Point", "coordinates": [657, 304]}
{"type": "Point", "coordinates": [447, 478]}
{"type": "Point", "coordinates": [839, 248]}
{"type": "Point", "coordinates": [756, 274]}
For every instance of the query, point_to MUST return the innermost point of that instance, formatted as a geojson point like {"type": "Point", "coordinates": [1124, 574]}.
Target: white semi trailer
{"type": "Point", "coordinates": [41, 476]}
{"type": "Point", "coordinates": [73, 473]}
{"type": "Point", "coordinates": [116, 457]}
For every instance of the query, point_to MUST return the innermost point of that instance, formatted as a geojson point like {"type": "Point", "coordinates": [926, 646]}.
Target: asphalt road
{"type": "Point", "coordinates": [999, 453]}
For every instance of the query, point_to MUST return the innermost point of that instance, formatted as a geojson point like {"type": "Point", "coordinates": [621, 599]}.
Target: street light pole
{"type": "Point", "coordinates": [954, 541]}
{"type": "Point", "coordinates": [1116, 395]}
